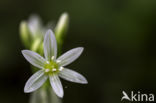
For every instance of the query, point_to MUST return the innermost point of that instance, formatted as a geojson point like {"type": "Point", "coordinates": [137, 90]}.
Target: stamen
{"type": "Point", "coordinates": [47, 70]}
{"type": "Point", "coordinates": [58, 61]}
{"type": "Point", "coordinates": [52, 58]}
{"type": "Point", "coordinates": [47, 62]}
{"type": "Point", "coordinates": [61, 68]}
{"type": "Point", "coordinates": [54, 70]}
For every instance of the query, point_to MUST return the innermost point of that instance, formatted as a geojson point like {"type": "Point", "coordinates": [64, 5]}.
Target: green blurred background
{"type": "Point", "coordinates": [119, 40]}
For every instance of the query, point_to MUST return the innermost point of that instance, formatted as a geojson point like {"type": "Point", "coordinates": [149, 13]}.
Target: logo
{"type": "Point", "coordinates": [138, 96]}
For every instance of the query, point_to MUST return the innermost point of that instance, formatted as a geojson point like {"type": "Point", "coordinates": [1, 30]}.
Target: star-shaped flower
{"type": "Point", "coordinates": [52, 67]}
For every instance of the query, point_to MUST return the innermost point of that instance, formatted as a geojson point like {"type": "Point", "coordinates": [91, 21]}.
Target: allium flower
{"type": "Point", "coordinates": [52, 67]}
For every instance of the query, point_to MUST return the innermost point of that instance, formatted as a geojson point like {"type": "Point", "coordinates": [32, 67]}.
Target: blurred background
{"type": "Point", "coordinates": [119, 40]}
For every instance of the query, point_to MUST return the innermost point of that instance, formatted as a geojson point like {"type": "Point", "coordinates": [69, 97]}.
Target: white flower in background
{"type": "Point", "coordinates": [52, 67]}
{"type": "Point", "coordinates": [35, 26]}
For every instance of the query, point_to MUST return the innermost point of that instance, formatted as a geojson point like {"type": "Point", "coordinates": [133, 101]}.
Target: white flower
{"type": "Point", "coordinates": [52, 67]}
{"type": "Point", "coordinates": [35, 26]}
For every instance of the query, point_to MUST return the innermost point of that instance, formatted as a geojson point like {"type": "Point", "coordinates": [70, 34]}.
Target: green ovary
{"type": "Point", "coordinates": [51, 67]}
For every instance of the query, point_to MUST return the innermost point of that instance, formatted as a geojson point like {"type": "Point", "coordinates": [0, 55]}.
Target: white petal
{"type": "Point", "coordinates": [72, 76]}
{"type": "Point", "coordinates": [35, 81]}
{"type": "Point", "coordinates": [50, 45]}
{"type": "Point", "coordinates": [34, 58]}
{"type": "Point", "coordinates": [70, 56]}
{"type": "Point", "coordinates": [34, 24]}
{"type": "Point", "coordinates": [56, 85]}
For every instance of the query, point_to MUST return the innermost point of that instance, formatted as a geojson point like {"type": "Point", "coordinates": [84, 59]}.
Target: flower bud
{"type": "Point", "coordinates": [61, 27]}
{"type": "Point", "coordinates": [25, 34]}
{"type": "Point", "coordinates": [35, 26]}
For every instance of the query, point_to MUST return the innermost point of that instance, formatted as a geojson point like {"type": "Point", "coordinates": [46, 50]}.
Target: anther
{"type": "Point", "coordinates": [61, 68]}
{"type": "Point", "coordinates": [52, 58]}
{"type": "Point", "coordinates": [58, 61]}
{"type": "Point", "coordinates": [47, 70]}
{"type": "Point", "coordinates": [54, 70]}
{"type": "Point", "coordinates": [47, 62]}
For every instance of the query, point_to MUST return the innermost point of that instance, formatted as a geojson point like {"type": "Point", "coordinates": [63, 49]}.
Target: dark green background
{"type": "Point", "coordinates": [119, 37]}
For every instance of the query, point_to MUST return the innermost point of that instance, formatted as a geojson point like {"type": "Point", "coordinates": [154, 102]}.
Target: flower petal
{"type": "Point", "coordinates": [35, 81]}
{"type": "Point", "coordinates": [34, 58]}
{"type": "Point", "coordinates": [70, 56]}
{"type": "Point", "coordinates": [56, 85]}
{"type": "Point", "coordinates": [72, 76]}
{"type": "Point", "coordinates": [50, 45]}
{"type": "Point", "coordinates": [34, 24]}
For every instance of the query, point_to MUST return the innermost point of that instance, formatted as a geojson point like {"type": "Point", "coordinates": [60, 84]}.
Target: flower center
{"type": "Point", "coordinates": [51, 67]}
